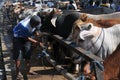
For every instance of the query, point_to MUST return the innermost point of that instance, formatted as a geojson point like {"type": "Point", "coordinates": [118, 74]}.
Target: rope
{"type": "Point", "coordinates": [102, 42]}
{"type": "Point", "coordinates": [100, 66]}
{"type": "Point", "coordinates": [82, 77]}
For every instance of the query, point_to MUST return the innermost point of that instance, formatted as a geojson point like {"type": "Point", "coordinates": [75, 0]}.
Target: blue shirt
{"type": "Point", "coordinates": [23, 29]}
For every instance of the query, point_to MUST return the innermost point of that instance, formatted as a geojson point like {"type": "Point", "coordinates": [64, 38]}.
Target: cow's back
{"type": "Point", "coordinates": [65, 22]}
{"type": "Point", "coordinates": [105, 16]}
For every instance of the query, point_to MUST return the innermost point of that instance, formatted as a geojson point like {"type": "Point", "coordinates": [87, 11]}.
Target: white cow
{"type": "Point", "coordinates": [102, 38]}
{"type": "Point", "coordinates": [91, 36]}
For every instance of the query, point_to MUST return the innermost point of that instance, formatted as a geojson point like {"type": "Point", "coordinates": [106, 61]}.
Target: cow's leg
{"type": "Point", "coordinates": [76, 60]}
{"type": "Point", "coordinates": [58, 52]}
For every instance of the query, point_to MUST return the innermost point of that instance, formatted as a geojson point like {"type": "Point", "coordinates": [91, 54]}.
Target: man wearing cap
{"type": "Point", "coordinates": [22, 40]}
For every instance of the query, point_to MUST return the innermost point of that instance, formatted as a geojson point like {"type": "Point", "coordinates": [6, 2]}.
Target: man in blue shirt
{"type": "Point", "coordinates": [22, 39]}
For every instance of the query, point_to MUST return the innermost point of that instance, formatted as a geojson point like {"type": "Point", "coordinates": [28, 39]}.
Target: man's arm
{"type": "Point", "coordinates": [35, 41]}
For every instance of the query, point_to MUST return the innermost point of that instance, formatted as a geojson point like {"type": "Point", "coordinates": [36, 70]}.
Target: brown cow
{"type": "Point", "coordinates": [112, 66]}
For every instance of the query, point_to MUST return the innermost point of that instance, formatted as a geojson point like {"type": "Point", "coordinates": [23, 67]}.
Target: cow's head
{"type": "Point", "coordinates": [47, 15]}
{"type": "Point", "coordinates": [84, 29]}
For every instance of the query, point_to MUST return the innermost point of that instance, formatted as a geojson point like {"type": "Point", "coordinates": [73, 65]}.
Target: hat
{"type": "Point", "coordinates": [35, 21]}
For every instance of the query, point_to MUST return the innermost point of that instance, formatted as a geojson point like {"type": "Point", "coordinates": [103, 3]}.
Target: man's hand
{"type": "Point", "coordinates": [40, 44]}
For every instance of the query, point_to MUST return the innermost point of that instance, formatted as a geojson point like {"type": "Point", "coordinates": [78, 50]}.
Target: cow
{"type": "Point", "coordinates": [90, 30]}
{"type": "Point", "coordinates": [101, 37]}
{"type": "Point", "coordinates": [63, 24]}
{"type": "Point", "coordinates": [59, 23]}
{"type": "Point", "coordinates": [112, 66]}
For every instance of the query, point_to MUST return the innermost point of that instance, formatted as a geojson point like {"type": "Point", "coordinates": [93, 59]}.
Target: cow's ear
{"type": "Point", "coordinates": [52, 12]}
{"type": "Point", "coordinates": [83, 17]}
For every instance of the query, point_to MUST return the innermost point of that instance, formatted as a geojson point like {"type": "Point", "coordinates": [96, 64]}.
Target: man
{"type": "Point", "coordinates": [22, 39]}
{"type": "Point", "coordinates": [72, 5]}
{"type": "Point", "coordinates": [112, 5]}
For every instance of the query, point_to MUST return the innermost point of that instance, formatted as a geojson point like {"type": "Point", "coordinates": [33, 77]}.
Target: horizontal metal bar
{"type": "Point", "coordinates": [78, 50]}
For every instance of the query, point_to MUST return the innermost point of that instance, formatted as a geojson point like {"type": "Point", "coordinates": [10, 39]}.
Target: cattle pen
{"type": "Point", "coordinates": [60, 68]}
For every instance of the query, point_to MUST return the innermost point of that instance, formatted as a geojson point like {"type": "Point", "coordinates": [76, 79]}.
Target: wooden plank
{"type": "Point", "coordinates": [78, 50]}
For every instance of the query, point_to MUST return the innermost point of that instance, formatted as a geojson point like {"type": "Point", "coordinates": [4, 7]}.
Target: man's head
{"type": "Point", "coordinates": [71, 1]}
{"type": "Point", "coordinates": [35, 21]}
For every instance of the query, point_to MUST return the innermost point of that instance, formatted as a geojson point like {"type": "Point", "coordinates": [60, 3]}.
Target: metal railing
{"type": "Point", "coordinates": [86, 54]}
